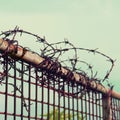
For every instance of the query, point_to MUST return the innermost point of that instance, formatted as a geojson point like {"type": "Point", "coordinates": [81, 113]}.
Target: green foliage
{"type": "Point", "coordinates": [56, 115]}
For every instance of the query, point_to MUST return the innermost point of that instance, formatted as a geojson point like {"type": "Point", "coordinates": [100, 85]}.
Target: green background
{"type": "Point", "coordinates": [85, 23]}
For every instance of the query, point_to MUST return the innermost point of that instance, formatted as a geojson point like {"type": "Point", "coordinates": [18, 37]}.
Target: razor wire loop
{"type": "Point", "coordinates": [17, 30]}
{"type": "Point", "coordinates": [93, 51]}
{"type": "Point", "coordinates": [50, 51]}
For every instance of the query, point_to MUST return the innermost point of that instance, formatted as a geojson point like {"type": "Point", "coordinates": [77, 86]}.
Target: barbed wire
{"type": "Point", "coordinates": [54, 52]}
{"type": "Point", "coordinates": [51, 51]}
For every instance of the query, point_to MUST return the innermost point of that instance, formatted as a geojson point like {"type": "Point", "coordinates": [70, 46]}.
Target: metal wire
{"type": "Point", "coordinates": [30, 93]}
{"type": "Point", "coordinates": [35, 94]}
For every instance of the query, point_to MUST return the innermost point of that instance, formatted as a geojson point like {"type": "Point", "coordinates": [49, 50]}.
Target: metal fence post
{"type": "Point", "coordinates": [107, 109]}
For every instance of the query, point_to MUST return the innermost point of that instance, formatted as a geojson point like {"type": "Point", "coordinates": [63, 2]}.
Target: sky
{"type": "Point", "coordinates": [85, 23]}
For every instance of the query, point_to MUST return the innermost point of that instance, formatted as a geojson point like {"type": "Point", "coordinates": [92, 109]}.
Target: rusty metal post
{"type": "Point", "coordinates": [107, 103]}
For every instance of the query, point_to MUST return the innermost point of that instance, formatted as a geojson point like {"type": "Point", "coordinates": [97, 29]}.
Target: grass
{"type": "Point", "coordinates": [54, 114]}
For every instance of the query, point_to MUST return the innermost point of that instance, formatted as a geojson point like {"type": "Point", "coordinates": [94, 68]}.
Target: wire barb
{"type": "Point", "coordinates": [55, 52]}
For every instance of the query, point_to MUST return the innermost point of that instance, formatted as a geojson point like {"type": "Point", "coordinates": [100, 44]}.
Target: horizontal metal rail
{"type": "Point", "coordinates": [45, 64]}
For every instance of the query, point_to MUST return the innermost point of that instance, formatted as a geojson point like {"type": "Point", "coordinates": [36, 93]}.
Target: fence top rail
{"type": "Point", "coordinates": [47, 64]}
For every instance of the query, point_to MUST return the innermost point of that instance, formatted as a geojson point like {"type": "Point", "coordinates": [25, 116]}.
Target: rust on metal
{"type": "Point", "coordinates": [38, 61]}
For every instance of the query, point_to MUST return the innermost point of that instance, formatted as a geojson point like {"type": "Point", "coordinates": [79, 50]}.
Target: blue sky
{"type": "Point", "coordinates": [85, 23]}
